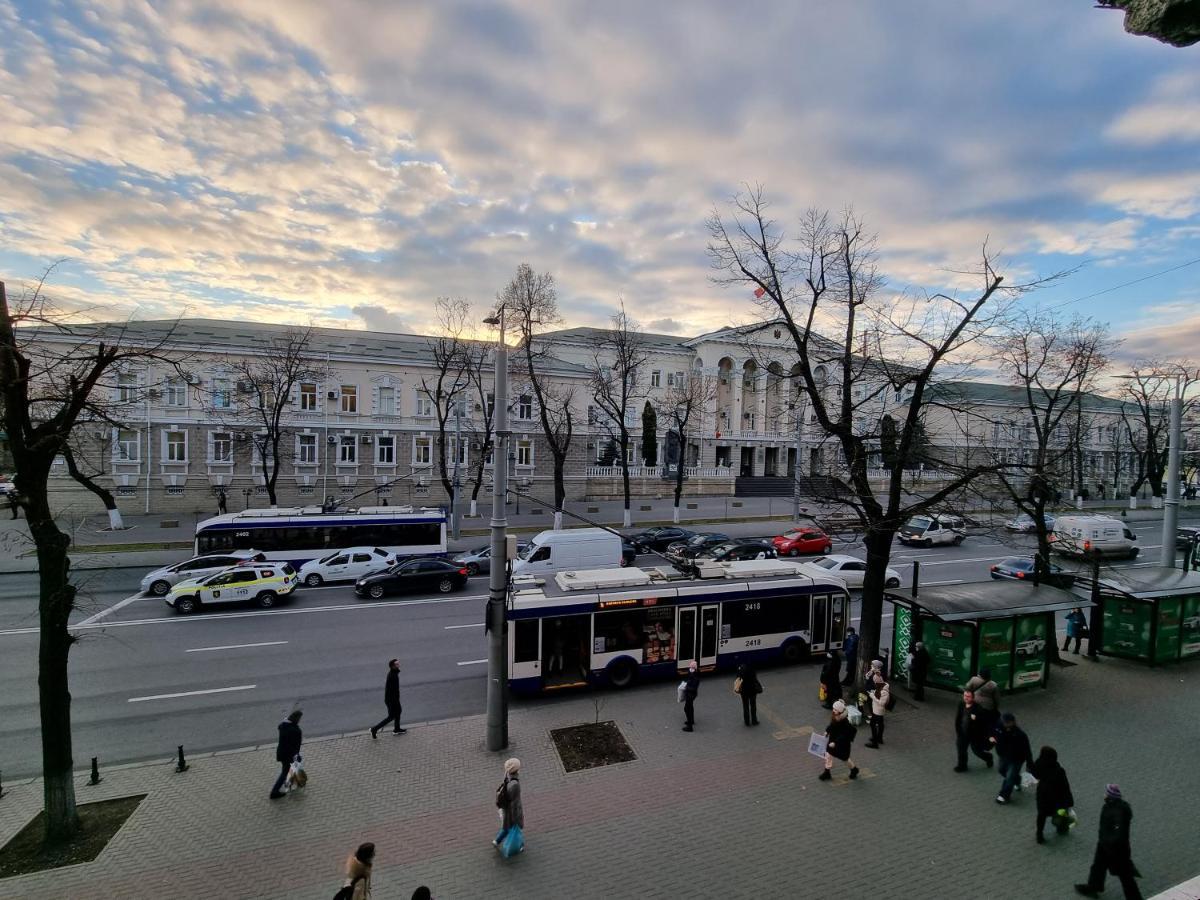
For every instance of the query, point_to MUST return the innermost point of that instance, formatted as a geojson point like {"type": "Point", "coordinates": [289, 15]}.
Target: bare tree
{"type": "Point", "coordinates": [614, 376]}
{"type": "Point", "coordinates": [828, 275]}
{"type": "Point", "coordinates": [49, 386]}
{"type": "Point", "coordinates": [1147, 391]}
{"type": "Point", "coordinates": [477, 361]}
{"type": "Point", "coordinates": [683, 408]}
{"type": "Point", "coordinates": [87, 475]}
{"type": "Point", "coordinates": [532, 302]}
{"type": "Point", "coordinates": [448, 384]}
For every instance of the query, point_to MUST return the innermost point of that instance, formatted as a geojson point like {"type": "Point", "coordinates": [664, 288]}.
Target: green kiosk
{"type": "Point", "coordinates": [1148, 614]}
{"type": "Point", "coordinates": [1004, 625]}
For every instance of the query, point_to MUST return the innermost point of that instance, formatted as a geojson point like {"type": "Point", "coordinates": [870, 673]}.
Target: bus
{"type": "Point", "coordinates": [620, 625]}
{"type": "Point", "coordinates": [299, 535]}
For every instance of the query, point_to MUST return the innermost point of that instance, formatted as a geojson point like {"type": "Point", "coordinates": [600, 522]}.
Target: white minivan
{"type": "Point", "coordinates": [578, 548]}
{"type": "Point", "coordinates": [1093, 536]}
{"type": "Point", "coordinates": [925, 531]}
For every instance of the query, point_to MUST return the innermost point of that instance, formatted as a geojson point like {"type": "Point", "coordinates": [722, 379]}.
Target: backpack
{"type": "Point", "coordinates": [502, 794]}
{"type": "Point", "coordinates": [347, 892]}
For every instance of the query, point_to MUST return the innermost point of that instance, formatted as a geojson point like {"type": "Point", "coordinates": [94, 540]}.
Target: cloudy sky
{"type": "Point", "coordinates": [347, 162]}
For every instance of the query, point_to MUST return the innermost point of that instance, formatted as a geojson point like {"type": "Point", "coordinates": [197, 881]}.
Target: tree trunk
{"type": "Point", "coordinates": [625, 477]}
{"type": "Point", "coordinates": [879, 548]}
{"type": "Point", "coordinates": [115, 522]}
{"type": "Point", "coordinates": [560, 489]}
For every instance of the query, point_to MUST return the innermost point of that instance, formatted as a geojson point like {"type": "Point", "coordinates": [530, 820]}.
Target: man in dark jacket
{"type": "Point", "coordinates": [850, 652]}
{"type": "Point", "coordinates": [971, 730]}
{"type": "Point", "coordinates": [691, 688]}
{"type": "Point", "coordinates": [1012, 746]}
{"type": "Point", "coordinates": [750, 689]}
{"type": "Point", "coordinates": [391, 697]}
{"type": "Point", "coordinates": [287, 750]}
{"type": "Point", "coordinates": [919, 670]}
{"type": "Point", "coordinates": [1113, 853]}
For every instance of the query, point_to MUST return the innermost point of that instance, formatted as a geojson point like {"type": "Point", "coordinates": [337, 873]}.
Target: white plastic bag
{"type": "Point", "coordinates": [1028, 782]}
{"type": "Point", "coordinates": [681, 690]}
{"type": "Point", "coordinates": [854, 716]}
{"type": "Point", "coordinates": [818, 744]}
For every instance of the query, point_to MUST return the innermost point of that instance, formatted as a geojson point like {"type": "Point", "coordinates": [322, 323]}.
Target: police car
{"type": "Point", "coordinates": [263, 583]}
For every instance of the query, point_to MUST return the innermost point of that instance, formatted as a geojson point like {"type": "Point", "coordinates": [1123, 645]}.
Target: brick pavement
{"type": "Point", "coordinates": [724, 812]}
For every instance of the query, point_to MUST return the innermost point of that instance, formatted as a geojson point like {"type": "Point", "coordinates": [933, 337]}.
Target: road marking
{"type": "Point", "coordinates": [240, 687]}
{"type": "Point", "coordinates": [472, 625]}
{"type": "Point", "coordinates": [472, 662]}
{"type": "Point", "coordinates": [960, 581]}
{"type": "Point", "coordinates": [104, 612]}
{"type": "Point", "coordinates": [234, 646]}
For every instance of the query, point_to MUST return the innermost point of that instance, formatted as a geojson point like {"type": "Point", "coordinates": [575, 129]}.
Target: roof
{"type": "Point", "coordinates": [1147, 583]}
{"type": "Point", "coordinates": [981, 391]}
{"type": "Point", "coordinates": [588, 335]}
{"type": "Point", "coordinates": [986, 600]}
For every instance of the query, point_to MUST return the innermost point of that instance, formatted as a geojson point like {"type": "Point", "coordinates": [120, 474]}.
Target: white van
{"type": "Point", "coordinates": [577, 548]}
{"type": "Point", "coordinates": [1092, 536]}
{"type": "Point", "coordinates": [925, 531]}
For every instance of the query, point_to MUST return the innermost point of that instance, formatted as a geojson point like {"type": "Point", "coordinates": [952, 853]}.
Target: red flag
{"type": "Point", "coordinates": [758, 292]}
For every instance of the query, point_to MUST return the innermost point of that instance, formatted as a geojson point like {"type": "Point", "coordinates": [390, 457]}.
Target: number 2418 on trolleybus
{"type": "Point", "coordinates": [615, 626]}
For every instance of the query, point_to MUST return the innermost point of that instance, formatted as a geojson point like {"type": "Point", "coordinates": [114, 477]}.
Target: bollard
{"type": "Point", "coordinates": [96, 779]}
{"type": "Point", "coordinates": [1, 784]}
{"type": "Point", "coordinates": [182, 765]}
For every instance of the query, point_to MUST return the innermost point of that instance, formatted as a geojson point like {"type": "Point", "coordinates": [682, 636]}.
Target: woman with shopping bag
{"type": "Point", "coordinates": [511, 839]}
{"type": "Point", "coordinates": [830, 689]}
{"type": "Point", "coordinates": [840, 734]}
{"type": "Point", "coordinates": [1054, 800]}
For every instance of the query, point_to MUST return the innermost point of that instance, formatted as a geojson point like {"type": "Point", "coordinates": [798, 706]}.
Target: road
{"type": "Point", "coordinates": [145, 680]}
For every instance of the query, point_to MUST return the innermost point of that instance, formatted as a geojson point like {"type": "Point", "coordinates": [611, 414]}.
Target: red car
{"type": "Point", "coordinates": [803, 540]}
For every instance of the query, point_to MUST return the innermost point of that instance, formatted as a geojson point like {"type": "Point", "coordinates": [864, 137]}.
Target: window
{"type": "Point", "coordinates": [126, 388]}
{"type": "Point", "coordinates": [387, 401]}
{"type": "Point", "coordinates": [221, 393]}
{"type": "Point", "coordinates": [222, 447]}
{"type": "Point", "coordinates": [525, 640]}
{"type": "Point", "coordinates": [451, 446]}
{"type": "Point", "coordinates": [385, 451]}
{"type": "Point", "coordinates": [308, 396]}
{"type": "Point", "coordinates": [679, 379]}
{"type": "Point", "coordinates": [347, 449]}
{"type": "Point", "coordinates": [525, 408]}
{"type": "Point", "coordinates": [128, 446]}
{"type": "Point", "coordinates": [175, 392]}
{"type": "Point", "coordinates": [491, 404]}
{"type": "Point", "coordinates": [306, 449]}
{"type": "Point", "coordinates": [524, 453]}
{"type": "Point", "coordinates": [670, 379]}
{"type": "Point", "coordinates": [424, 405]}
{"type": "Point", "coordinates": [349, 398]}
{"type": "Point", "coordinates": [422, 451]}
{"type": "Point", "coordinates": [656, 379]}
{"type": "Point", "coordinates": [175, 446]}
{"type": "Point", "coordinates": [771, 615]}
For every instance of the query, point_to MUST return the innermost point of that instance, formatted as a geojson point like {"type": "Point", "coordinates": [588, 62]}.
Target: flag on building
{"type": "Point", "coordinates": [758, 292]}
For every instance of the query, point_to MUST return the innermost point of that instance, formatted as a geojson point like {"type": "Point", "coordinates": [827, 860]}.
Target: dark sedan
{"type": "Point", "coordinates": [659, 538]}
{"type": "Point", "coordinates": [696, 545]}
{"type": "Point", "coordinates": [735, 550]}
{"type": "Point", "coordinates": [1020, 568]}
{"type": "Point", "coordinates": [414, 575]}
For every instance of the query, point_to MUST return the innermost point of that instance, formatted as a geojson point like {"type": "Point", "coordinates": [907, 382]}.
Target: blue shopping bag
{"type": "Point", "coordinates": [513, 843]}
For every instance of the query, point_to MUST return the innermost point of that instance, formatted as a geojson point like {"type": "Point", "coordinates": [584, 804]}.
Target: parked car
{"type": "Point", "coordinates": [695, 545]}
{"type": "Point", "coordinates": [346, 565]}
{"type": "Point", "coordinates": [629, 553]}
{"type": "Point", "coordinates": [1020, 568]}
{"type": "Point", "coordinates": [735, 550]}
{"type": "Point", "coordinates": [659, 537]}
{"type": "Point", "coordinates": [853, 570]}
{"type": "Point", "coordinates": [925, 531]}
{"type": "Point", "coordinates": [160, 581]}
{"type": "Point", "coordinates": [264, 583]}
{"type": "Point", "coordinates": [1185, 535]}
{"type": "Point", "coordinates": [1025, 524]}
{"type": "Point", "coordinates": [808, 539]}
{"type": "Point", "coordinates": [440, 575]}
{"type": "Point", "coordinates": [480, 559]}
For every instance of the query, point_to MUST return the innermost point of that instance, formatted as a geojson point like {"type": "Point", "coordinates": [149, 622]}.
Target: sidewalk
{"type": "Point", "coordinates": [725, 812]}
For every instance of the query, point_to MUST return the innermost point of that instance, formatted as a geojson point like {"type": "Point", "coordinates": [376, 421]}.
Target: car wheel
{"type": "Point", "coordinates": [186, 605]}
{"type": "Point", "coordinates": [793, 552]}
{"type": "Point", "coordinates": [624, 562]}
{"type": "Point", "coordinates": [375, 591]}
{"type": "Point", "coordinates": [314, 580]}
{"type": "Point", "coordinates": [892, 583]}
{"type": "Point", "coordinates": [622, 672]}
{"type": "Point", "coordinates": [927, 543]}
{"type": "Point", "coordinates": [795, 652]}
{"type": "Point", "coordinates": [267, 599]}
{"type": "Point", "coordinates": [958, 540]}
{"type": "Point", "coordinates": [160, 588]}
{"type": "Point", "coordinates": [472, 568]}
{"type": "Point", "coordinates": [446, 585]}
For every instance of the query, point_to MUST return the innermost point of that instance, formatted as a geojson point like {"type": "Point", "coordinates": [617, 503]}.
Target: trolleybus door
{"type": "Point", "coordinates": [698, 632]}
{"type": "Point", "coordinates": [524, 646]}
{"type": "Point", "coordinates": [820, 622]}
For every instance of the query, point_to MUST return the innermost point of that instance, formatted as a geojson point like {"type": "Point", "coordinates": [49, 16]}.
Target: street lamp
{"type": "Point", "coordinates": [497, 683]}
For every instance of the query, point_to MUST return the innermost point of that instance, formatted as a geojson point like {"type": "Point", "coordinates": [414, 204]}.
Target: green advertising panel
{"type": "Point", "coordinates": [1166, 641]}
{"type": "Point", "coordinates": [1127, 628]}
{"type": "Point", "coordinates": [901, 637]}
{"type": "Point", "coordinates": [995, 650]}
{"type": "Point", "coordinates": [1190, 627]}
{"type": "Point", "coordinates": [949, 646]}
{"type": "Point", "coordinates": [1030, 650]}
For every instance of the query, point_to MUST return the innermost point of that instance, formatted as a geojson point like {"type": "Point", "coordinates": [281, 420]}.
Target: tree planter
{"type": "Point", "coordinates": [590, 746]}
{"type": "Point", "coordinates": [100, 822]}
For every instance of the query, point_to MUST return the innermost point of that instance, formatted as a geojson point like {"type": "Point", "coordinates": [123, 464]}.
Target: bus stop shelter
{"type": "Point", "coordinates": [1147, 614]}
{"type": "Point", "coordinates": [1004, 625]}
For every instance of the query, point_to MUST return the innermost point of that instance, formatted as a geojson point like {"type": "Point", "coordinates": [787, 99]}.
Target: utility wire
{"type": "Point", "coordinates": [1117, 287]}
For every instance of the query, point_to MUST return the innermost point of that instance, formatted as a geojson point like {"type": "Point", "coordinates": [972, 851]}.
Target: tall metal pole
{"type": "Point", "coordinates": [1171, 504]}
{"type": "Point", "coordinates": [456, 518]}
{"type": "Point", "coordinates": [497, 685]}
{"type": "Point", "coordinates": [796, 467]}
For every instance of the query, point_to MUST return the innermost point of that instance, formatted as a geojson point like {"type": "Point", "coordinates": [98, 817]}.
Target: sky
{"type": "Point", "coordinates": [347, 163]}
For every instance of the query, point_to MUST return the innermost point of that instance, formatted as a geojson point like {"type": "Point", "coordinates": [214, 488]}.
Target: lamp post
{"type": "Point", "coordinates": [456, 499]}
{"type": "Point", "coordinates": [497, 683]}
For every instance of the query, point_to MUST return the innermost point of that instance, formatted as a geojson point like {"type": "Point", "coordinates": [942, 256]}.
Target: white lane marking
{"type": "Point", "coordinates": [959, 581]}
{"type": "Point", "coordinates": [104, 612]}
{"type": "Point", "coordinates": [240, 687]}
{"type": "Point", "coordinates": [472, 662]}
{"type": "Point", "coordinates": [234, 646]}
{"type": "Point", "coordinates": [472, 625]}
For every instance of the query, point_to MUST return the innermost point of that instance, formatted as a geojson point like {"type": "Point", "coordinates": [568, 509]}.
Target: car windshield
{"type": "Point", "coordinates": [920, 523]}
{"type": "Point", "coordinates": [826, 563]}
{"type": "Point", "coordinates": [795, 535]}
{"type": "Point", "coordinates": [1018, 562]}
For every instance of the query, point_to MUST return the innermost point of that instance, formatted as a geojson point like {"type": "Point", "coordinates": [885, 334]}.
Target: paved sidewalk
{"type": "Point", "coordinates": [725, 812]}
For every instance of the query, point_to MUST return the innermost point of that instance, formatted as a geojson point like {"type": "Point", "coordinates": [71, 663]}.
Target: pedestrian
{"type": "Point", "coordinates": [222, 503]}
{"type": "Point", "coordinates": [1076, 628]}
{"type": "Point", "coordinates": [422, 893]}
{"type": "Point", "coordinates": [1053, 792]}
{"type": "Point", "coordinates": [881, 698]}
{"type": "Point", "coordinates": [971, 730]}
{"type": "Point", "coordinates": [749, 687]}
{"type": "Point", "coordinates": [831, 679]}
{"type": "Point", "coordinates": [391, 698]}
{"type": "Point", "coordinates": [987, 696]}
{"type": "Point", "coordinates": [1012, 746]}
{"type": "Point", "coordinates": [919, 667]}
{"type": "Point", "coordinates": [1113, 852]}
{"type": "Point", "coordinates": [840, 739]}
{"type": "Point", "coordinates": [508, 799]}
{"type": "Point", "coordinates": [287, 749]}
{"type": "Point", "coordinates": [14, 504]}
{"type": "Point", "coordinates": [850, 649]}
{"type": "Point", "coordinates": [691, 687]}
{"type": "Point", "coordinates": [358, 874]}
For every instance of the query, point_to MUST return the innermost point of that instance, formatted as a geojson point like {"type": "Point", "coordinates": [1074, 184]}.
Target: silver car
{"type": "Point", "coordinates": [160, 581]}
{"type": "Point", "coordinates": [480, 559]}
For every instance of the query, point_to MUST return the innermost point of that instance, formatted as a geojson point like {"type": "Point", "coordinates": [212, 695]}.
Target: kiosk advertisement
{"type": "Point", "coordinates": [1190, 627]}
{"type": "Point", "coordinates": [1030, 650]}
{"type": "Point", "coordinates": [1127, 628]}
{"type": "Point", "coordinates": [949, 646]}
{"type": "Point", "coordinates": [1166, 641]}
{"type": "Point", "coordinates": [995, 650]}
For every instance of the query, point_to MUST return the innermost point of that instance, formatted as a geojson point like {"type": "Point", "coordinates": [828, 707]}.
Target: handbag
{"type": "Point", "coordinates": [513, 843]}
{"type": "Point", "coordinates": [822, 693]}
{"type": "Point", "coordinates": [737, 685]}
{"type": "Point", "coordinates": [681, 691]}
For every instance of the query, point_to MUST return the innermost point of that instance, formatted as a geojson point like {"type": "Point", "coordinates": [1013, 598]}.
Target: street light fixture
{"type": "Point", "coordinates": [497, 683]}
